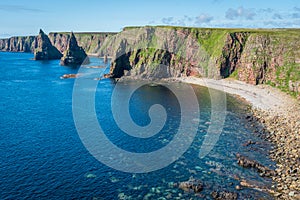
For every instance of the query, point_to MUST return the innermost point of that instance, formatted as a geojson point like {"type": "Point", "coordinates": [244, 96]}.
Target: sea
{"type": "Point", "coordinates": [46, 154]}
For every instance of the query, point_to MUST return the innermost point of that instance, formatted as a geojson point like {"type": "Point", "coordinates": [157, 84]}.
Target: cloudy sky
{"type": "Point", "coordinates": [19, 17]}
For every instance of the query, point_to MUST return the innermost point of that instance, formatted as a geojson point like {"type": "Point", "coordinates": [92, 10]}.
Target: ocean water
{"type": "Point", "coordinates": [43, 157]}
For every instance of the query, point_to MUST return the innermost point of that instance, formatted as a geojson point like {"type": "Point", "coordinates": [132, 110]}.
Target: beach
{"type": "Point", "coordinates": [280, 115]}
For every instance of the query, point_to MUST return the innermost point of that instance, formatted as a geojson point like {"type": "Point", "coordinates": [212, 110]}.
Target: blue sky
{"type": "Point", "coordinates": [20, 17]}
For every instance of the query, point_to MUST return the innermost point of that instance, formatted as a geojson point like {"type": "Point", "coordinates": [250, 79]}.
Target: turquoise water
{"type": "Point", "coordinates": [42, 156]}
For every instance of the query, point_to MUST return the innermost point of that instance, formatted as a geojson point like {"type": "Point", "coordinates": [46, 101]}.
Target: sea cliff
{"type": "Point", "coordinates": [90, 42]}
{"type": "Point", "coordinates": [251, 55]}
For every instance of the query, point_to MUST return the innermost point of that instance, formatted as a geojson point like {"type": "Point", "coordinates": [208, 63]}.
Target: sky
{"type": "Point", "coordinates": [26, 17]}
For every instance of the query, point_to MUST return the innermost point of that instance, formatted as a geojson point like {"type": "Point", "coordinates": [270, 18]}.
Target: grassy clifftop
{"type": "Point", "coordinates": [256, 56]}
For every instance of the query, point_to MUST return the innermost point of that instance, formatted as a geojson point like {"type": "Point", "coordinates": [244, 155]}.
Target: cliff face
{"type": "Point", "coordinates": [90, 42]}
{"type": "Point", "coordinates": [44, 50]}
{"type": "Point", "coordinates": [18, 44]}
{"type": "Point", "coordinates": [254, 56]}
{"type": "Point", "coordinates": [74, 55]}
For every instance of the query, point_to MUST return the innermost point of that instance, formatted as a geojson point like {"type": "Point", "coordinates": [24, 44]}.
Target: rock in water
{"type": "Point", "coordinates": [192, 185]}
{"type": "Point", "coordinates": [224, 195]}
{"type": "Point", "coordinates": [44, 50]}
{"type": "Point", "coordinates": [74, 55]}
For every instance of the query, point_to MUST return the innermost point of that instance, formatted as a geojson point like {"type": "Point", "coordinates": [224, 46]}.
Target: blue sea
{"type": "Point", "coordinates": [43, 155]}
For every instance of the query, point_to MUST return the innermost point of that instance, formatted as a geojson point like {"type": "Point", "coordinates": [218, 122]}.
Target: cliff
{"type": "Point", "coordinates": [90, 42]}
{"type": "Point", "coordinates": [251, 55]}
{"type": "Point", "coordinates": [18, 44]}
{"type": "Point", "coordinates": [74, 55]}
{"type": "Point", "coordinates": [44, 50]}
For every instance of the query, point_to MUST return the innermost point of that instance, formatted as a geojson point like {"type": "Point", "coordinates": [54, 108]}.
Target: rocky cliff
{"type": "Point", "coordinates": [90, 42]}
{"type": "Point", "coordinates": [251, 55]}
{"type": "Point", "coordinates": [44, 50]}
{"type": "Point", "coordinates": [18, 44]}
{"type": "Point", "coordinates": [74, 55]}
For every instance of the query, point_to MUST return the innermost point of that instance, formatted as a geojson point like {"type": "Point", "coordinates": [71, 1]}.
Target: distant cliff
{"type": "Point", "coordinates": [90, 42]}
{"type": "Point", "coordinates": [18, 44]}
{"type": "Point", "coordinates": [251, 55]}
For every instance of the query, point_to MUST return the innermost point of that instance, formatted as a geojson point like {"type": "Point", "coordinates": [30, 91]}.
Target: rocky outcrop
{"type": "Point", "coordinates": [224, 195]}
{"type": "Point", "coordinates": [74, 55]}
{"type": "Point", "coordinates": [44, 50]}
{"type": "Point", "coordinates": [248, 163]}
{"type": "Point", "coordinates": [192, 185]}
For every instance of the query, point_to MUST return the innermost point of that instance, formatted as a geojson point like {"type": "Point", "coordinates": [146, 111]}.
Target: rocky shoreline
{"type": "Point", "coordinates": [280, 116]}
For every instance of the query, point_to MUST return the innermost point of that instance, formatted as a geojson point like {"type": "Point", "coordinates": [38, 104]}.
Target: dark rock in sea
{"type": "Point", "coordinates": [74, 55]}
{"type": "Point", "coordinates": [224, 195]}
{"type": "Point", "coordinates": [65, 76]}
{"type": "Point", "coordinates": [44, 50]}
{"type": "Point", "coordinates": [192, 185]}
{"type": "Point", "coordinates": [247, 163]}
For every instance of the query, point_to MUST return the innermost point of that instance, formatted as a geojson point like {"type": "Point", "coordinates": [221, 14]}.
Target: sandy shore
{"type": "Point", "coordinates": [280, 114]}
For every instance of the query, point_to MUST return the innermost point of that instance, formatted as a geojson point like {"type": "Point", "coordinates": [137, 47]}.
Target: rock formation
{"type": "Point", "coordinates": [44, 50]}
{"type": "Point", "coordinates": [192, 185]}
{"type": "Point", "coordinates": [74, 55]}
{"type": "Point", "coordinates": [253, 56]}
{"type": "Point", "coordinates": [90, 42]}
{"type": "Point", "coordinates": [248, 163]}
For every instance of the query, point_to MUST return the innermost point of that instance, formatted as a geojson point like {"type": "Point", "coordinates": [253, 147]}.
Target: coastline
{"type": "Point", "coordinates": [280, 115]}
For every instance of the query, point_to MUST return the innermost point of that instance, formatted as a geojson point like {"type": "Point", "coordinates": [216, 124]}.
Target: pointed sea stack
{"type": "Point", "coordinates": [74, 55]}
{"type": "Point", "coordinates": [44, 50]}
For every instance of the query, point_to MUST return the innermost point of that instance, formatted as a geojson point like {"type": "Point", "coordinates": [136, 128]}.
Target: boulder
{"type": "Point", "coordinates": [248, 163]}
{"type": "Point", "coordinates": [74, 54]}
{"type": "Point", "coordinates": [44, 50]}
{"type": "Point", "coordinates": [192, 185]}
{"type": "Point", "coordinates": [224, 195]}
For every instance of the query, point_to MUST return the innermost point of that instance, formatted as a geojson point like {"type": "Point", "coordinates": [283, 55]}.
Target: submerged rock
{"type": "Point", "coordinates": [65, 76]}
{"type": "Point", "coordinates": [224, 195]}
{"type": "Point", "coordinates": [192, 185]}
{"type": "Point", "coordinates": [74, 55]}
{"type": "Point", "coordinates": [44, 50]}
{"type": "Point", "coordinates": [247, 163]}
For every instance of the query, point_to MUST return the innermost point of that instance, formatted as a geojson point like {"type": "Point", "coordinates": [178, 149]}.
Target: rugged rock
{"type": "Point", "coordinates": [44, 50]}
{"type": "Point", "coordinates": [74, 55]}
{"type": "Point", "coordinates": [192, 185]}
{"type": "Point", "coordinates": [224, 195]}
{"type": "Point", "coordinates": [248, 163]}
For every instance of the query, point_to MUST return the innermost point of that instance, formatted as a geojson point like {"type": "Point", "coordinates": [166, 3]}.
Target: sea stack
{"type": "Point", "coordinates": [74, 54]}
{"type": "Point", "coordinates": [44, 50]}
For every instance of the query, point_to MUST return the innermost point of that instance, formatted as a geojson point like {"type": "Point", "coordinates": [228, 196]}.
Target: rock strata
{"type": "Point", "coordinates": [74, 55]}
{"type": "Point", "coordinates": [44, 50]}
